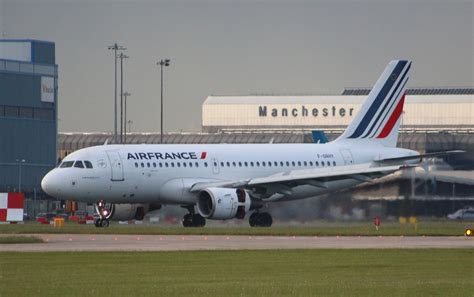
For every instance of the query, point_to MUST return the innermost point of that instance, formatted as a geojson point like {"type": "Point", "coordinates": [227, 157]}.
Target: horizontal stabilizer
{"type": "Point", "coordinates": [419, 157]}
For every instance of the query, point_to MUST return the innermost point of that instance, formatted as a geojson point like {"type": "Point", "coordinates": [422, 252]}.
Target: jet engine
{"type": "Point", "coordinates": [223, 203]}
{"type": "Point", "coordinates": [125, 212]}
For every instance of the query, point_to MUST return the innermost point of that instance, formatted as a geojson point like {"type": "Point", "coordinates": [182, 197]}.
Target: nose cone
{"type": "Point", "coordinates": [50, 183]}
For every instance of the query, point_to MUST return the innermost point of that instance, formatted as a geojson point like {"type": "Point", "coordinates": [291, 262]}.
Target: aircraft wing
{"type": "Point", "coordinates": [283, 182]}
{"type": "Point", "coordinates": [418, 157]}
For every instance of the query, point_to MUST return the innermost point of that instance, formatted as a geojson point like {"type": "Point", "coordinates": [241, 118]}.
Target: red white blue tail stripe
{"type": "Point", "coordinates": [385, 101]}
{"type": "Point", "coordinates": [381, 111]}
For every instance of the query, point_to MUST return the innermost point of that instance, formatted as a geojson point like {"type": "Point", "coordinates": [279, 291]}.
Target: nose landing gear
{"type": "Point", "coordinates": [104, 212]}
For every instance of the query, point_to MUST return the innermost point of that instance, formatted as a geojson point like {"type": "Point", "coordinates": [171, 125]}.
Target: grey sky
{"type": "Point", "coordinates": [236, 47]}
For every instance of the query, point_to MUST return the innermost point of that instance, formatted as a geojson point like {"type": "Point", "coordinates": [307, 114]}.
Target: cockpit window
{"type": "Point", "coordinates": [88, 164]}
{"type": "Point", "coordinates": [78, 164]}
{"type": "Point", "coordinates": [66, 164]}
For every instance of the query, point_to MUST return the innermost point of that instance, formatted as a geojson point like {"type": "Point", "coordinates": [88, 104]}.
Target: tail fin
{"type": "Point", "coordinates": [378, 120]}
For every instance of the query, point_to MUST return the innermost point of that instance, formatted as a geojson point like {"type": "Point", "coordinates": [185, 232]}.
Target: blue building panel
{"type": "Point", "coordinates": [28, 115]}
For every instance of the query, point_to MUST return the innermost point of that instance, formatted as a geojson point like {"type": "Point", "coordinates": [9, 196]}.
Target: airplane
{"type": "Point", "coordinates": [227, 181]}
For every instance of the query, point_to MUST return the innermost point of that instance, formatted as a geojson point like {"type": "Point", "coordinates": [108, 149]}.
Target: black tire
{"type": "Point", "coordinates": [97, 223]}
{"type": "Point", "coordinates": [104, 223]}
{"type": "Point", "coordinates": [266, 219]}
{"type": "Point", "coordinates": [187, 220]}
{"type": "Point", "coordinates": [253, 219]}
{"type": "Point", "coordinates": [199, 221]}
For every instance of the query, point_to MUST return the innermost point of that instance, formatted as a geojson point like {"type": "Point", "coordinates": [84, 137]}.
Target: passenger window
{"type": "Point", "coordinates": [148, 165]}
{"type": "Point", "coordinates": [240, 164]}
{"type": "Point", "coordinates": [136, 164]}
{"type": "Point", "coordinates": [246, 164]}
{"type": "Point", "coordinates": [161, 164]}
{"type": "Point", "coordinates": [269, 164]}
{"type": "Point", "coordinates": [222, 164]}
{"type": "Point", "coordinates": [143, 165]}
{"type": "Point", "coordinates": [281, 163]}
{"type": "Point", "coordinates": [190, 164]}
{"type": "Point", "coordinates": [322, 164]}
{"type": "Point", "coordinates": [275, 163]}
{"type": "Point", "coordinates": [328, 163]}
{"type": "Point", "coordinates": [287, 163]}
{"type": "Point", "coordinates": [88, 164]}
{"type": "Point", "coordinates": [178, 164]}
{"type": "Point", "coordinates": [228, 164]}
{"type": "Point", "coordinates": [263, 163]}
{"type": "Point", "coordinates": [197, 164]}
{"type": "Point", "coordinates": [293, 163]}
{"type": "Point", "coordinates": [233, 164]}
{"type": "Point", "coordinates": [66, 164]}
{"type": "Point", "coordinates": [251, 164]}
{"type": "Point", "coordinates": [154, 164]}
{"type": "Point", "coordinates": [258, 164]}
{"type": "Point", "coordinates": [334, 163]}
{"type": "Point", "coordinates": [310, 163]}
{"type": "Point", "coordinates": [205, 164]}
{"type": "Point", "coordinates": [316, 163]}
{"type": "Point", "coordinates": [299, 163]}
{"type": "Point", "coordinates": [172, 164]}
{"type": "Point", "coordinates": [305, 163]}
{"type": "Point", "coordinates": [184, 164]}
{"type": "Point", "coordinates": [166, 164]}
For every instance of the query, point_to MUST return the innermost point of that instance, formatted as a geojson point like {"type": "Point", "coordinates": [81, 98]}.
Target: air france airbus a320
{"type": "Point", "coordinates": [226, 181]}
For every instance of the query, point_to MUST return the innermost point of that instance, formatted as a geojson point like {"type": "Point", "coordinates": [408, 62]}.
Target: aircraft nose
{"type": "Point", "coordinates": [50, 183]}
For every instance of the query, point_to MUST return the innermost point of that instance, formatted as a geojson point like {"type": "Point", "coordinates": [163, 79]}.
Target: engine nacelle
{"type": "Point", "coordinates": [125, 212]}
{"type": "Point", "coordinates": [223, 203]}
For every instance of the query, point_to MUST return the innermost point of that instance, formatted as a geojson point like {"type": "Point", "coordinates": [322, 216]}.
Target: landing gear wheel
{"type": "Point", "coordinates": [260, 219]}
{"type": "Point", "coordinates": [187, 220]}
{"type": "Point", "coordinates": [104, 212]}
{"type": "Point", "coordinates": [199, 221]}
{"type": "Point", "coordinates": [193, 220]}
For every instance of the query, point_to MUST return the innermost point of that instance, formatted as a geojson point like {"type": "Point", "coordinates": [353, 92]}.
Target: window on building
{"type": "Point", "coordinates": [26, 112]}
{"type": "Point", "coordinates": [11, 111]}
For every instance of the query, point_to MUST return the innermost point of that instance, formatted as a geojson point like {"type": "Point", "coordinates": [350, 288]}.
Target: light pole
{"type": "Point", "coordinates": [126, 94]}
{"type": "Point", "coordinates": [121, 56]}
{"type": "Point", "coordinates": [20, 161]}
{"type": "Point", "coordinates": [166, 63]}
{"type": "Point", "coordinates": [115, 47]}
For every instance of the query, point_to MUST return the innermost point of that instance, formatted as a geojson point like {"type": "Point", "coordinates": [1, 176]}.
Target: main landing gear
{"type": "Point", "coordinates": [260, 219]}
{"type": "Point", "coordinates": [105, 213]}
{"type": "Point", "coordinates": [193, 219]}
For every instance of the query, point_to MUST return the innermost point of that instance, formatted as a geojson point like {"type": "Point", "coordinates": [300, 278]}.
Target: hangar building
{"type": "Point", "coordinates": [28, 113]}
{"type": "Point", "coordinates": [426, 109]}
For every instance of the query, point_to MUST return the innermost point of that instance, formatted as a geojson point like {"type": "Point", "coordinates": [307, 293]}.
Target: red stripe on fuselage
{"type": "Point", "coordinates": [203, 155]}
{"type": "Point", "coordinates": [393, 119]}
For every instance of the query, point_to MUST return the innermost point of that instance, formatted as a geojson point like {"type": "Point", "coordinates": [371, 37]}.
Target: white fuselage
{"type": "Point", "coordinates": [165, 173]}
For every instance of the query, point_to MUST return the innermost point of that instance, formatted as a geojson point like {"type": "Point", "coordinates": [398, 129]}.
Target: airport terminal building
{"type": "Point", "coordinates": [426, 109]}
{"type": "Point", "coordinates": [28, 114]}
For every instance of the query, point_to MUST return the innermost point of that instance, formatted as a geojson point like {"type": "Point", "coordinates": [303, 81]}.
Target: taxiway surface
{"type": "Point", "coordinates": [89, 242]}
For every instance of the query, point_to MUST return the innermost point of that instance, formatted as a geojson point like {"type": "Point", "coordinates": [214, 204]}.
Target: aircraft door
{"type": "Point", "coordinates": [347, 156]}
{"type": "Point", "coordinates": [215, 166]}
{"type": "Point", "coordinates": [116, 166]}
